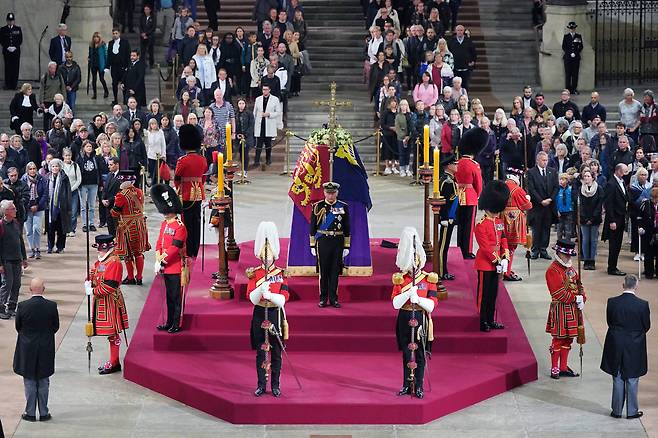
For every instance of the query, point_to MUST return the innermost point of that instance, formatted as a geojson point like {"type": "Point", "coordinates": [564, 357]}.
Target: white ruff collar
{"type": "Point", "coordinates": [563, 263]}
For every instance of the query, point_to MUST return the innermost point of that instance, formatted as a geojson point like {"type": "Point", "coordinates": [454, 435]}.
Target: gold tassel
{"type": "Point", "coordinates": [580, 339]}
{"type": "Point", "coordinates": [89, 329]}
{"type": "Point", "coordinates": [430, 328]}
{"type": "Point", "coordinates": [185, 276]}
{"type": "Point", "coordinates": [285, 329]}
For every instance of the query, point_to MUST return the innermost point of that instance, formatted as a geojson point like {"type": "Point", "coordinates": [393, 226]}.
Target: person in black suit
{"type": "Point", "coordinates": [118, 60]}
{"type": "Point", "coordinates": [212, 7]}
{"type": "Point", "coordinates": [542, 187]}
{"type": "Point", "coordinates": [59, 45]}
{"type": "Point", "coordinates": [225, 84]}
{"type": "Point", "coordinates": [11, 38]}
{"type": "Point", "coordinates": [625, 347]}
{"type": "Point", "coordinates": [463, 50]}
{"type": "Point", "coordinates": [648, 231]}
{"type": "Point", "coordinates": [616, 206]}
{"type": "Point", "coordinates": [37, 321]}
{"type": "Point", "coordinates": [133, 112]}
{"type": "Point", "coordinates": [20, 113]}
{"type": "Point", "coordinates": [147, 26]}
{"type": "Point", "coordinates": [110, 189]}
{"type": "Point", "coordinates": [572, 45]}
{"type": "Point", "coordinates": [132, 83]}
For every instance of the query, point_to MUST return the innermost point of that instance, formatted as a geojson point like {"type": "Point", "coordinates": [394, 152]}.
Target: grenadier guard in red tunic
{"type": "Point", "coordinates": [515, 218]}
{"type": "Point", "coordinates": [567, 300]}
{"type": "Point", "coordinates": [469, 184]}
{"type": "Point", "coordinates": [268, 292]}
{"type": "Point", "coordinates": [132, 238]}
{"type": "Point", "coordinates": [189, 180]}
{"type": "Point", "coordinates": [109, 315]}
{"type": "Point", "coordinates": [493, 254]}
{"type": "Point", "coordinates": [414, 296]}
{"type": "Point", "coordinates": [170, 259]}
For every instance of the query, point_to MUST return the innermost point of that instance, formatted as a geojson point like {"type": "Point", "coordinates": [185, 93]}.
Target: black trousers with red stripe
{"type": "Point", "coordinates": [445, 234]}
{"type": "Point", "coordinates": [486, 295]}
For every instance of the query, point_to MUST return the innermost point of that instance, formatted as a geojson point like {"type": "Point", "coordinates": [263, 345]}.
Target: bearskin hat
{"type": "Point", "coordinates": [190, 139]}
{"type": "Point", "coordinates": [494, 197]}
{"type": "Point", "coordinates": [473, 141]}
{"type": "Point", "coordinates": [166, 199]}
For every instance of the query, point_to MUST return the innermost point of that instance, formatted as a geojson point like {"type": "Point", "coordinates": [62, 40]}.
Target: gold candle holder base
{"type": "Point", "coordinates": [221, 289]}
{"type": "Point", "coordinates": [436, 202]}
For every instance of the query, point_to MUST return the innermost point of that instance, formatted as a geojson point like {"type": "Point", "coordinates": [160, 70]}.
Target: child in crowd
{"type": "Point", "coordinates": [565, 202]}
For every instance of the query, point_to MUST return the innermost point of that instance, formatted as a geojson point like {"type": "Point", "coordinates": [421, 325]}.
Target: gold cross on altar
{"type": "Point", "coordinates": [332, 103]}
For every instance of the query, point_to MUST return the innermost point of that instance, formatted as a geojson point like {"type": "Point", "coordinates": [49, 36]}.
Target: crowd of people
{"type": "Point", "coordinates": [59, 176]}
{"type": "Point", "coordinates": [418, 65]}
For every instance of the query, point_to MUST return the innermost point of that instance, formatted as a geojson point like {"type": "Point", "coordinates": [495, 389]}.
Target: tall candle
{"type": "Point", "coordinates": [426, 145]}
{"type": "Point", "coordinates": [436, 170]}
{"type": "Point", "coordinates": [220, 175]}
{"type": "Point", "coordinates": [229, 143]}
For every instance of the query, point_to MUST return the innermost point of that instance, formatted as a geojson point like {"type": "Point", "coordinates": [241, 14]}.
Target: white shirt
{"type": "Point", "coordinates": [621, 184]}
{"type": "Point", "coordinates": [26, 101]}
{"type": "Point", "coordinates": [629, 292]}
{"type": "Point", "coordinates": [115, 46]}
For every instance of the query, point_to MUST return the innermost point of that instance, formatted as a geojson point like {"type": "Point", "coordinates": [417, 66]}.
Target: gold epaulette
{"type": "Point", "coordinates": [432, 277]}
{"type": "Point", "coordinates": [250, 272]}
{"type": "Point", "coordinates": [398, 278]}
{"type": "Point", "coordinates": [285, 273]}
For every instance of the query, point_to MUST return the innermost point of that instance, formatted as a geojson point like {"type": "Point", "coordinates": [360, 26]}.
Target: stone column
{"type": "Point", "coordinates": [551, 67]}
{"type": "Point", "coordinates": [85, 18]}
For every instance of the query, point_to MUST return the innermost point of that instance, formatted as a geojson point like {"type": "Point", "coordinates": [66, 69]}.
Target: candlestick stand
{"type": "Point", "coordinates": [425, 172]}
{"type": "Point", "coordinates": [436, 201]}
{"type": "Point", "coordinates": [221, 289]}
{"type": "Point", "coordinates": [232, 249]}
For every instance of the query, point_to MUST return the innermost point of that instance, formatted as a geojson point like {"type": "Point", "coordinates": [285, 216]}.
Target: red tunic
{"type": "Point", "coordinates": [426, 286]}
{"type": "Point", "coordinates": [277, 277]}
{"type": "Point", "coordinates": [189, 179]}
{"type": "Point", "coordinates": [469, 180]}
{"type": "Point", "coordinates": [492, 243]}
{"type": "Point", "coordinates": [563, 316]}
{"type": "Point", "coordinates": [132, 236]}
{"type": "Point", "coordinates": [515, 214]}
{"type": "Point", "coordinates": [170, 247]}
{"type": "Point", "coordinates": [110, 316]}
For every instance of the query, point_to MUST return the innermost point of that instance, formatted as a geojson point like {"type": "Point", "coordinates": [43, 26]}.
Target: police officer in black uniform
{"type": "Point", "coordinates": [11, 38]}
{"type": "Point", "coordinates": [572, 45]}
{"type": "Point", "coordinates": [448, 213]}
{"type": "Point", "coordinates": [330, 241]}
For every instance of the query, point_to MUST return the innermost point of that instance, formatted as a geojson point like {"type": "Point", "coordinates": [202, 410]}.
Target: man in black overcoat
{"type": "Point", "coordinates": [542, 187]}
{"type": "Point", "coordinates": [616, 208]}
{"type": "Point", "coordinates": [625, 347]}
{"type": "Point", "coordinates": [132, 83]}
{"type": "Point", "coordinates": [37, 321]}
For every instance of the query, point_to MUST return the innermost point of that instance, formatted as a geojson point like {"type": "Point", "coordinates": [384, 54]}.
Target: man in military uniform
{"type": "Point", "coordinates": [448, 213]}
{"type": "Point", "coordinates": [414, 296]}
{"type": "Point", "coordinates": [567, 301]}
{"type": "Point", "coordinates": [109, 316]}
{"type": "Point", "coordinates": [514, 217]}
{"type": "Point", "coordinates": [492, 257]}
{"type": "Point", "coordinates": [132, 235]}
{"type": "Point", "coordinates": [189, 180]}
{"type": "Point", "coordinates": [11, 38]}
{"type": "Point", "coordinates": [170, 254]}
{"type": "Point", "coordinates": [572, 45]}
{"type": "Point", "coordinates": [330, 241]}
{"type": "Point", "coordinates": [268, 292]}
{"type": "Point", "coordinates": [469, 183]}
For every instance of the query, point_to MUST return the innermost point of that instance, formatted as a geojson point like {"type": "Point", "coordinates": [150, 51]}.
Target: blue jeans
{"type": "Point", "coordinates": [192, 5]}
{"type": "Point", "coordinates": [590, 235]}
{"type": "Point", "coordinates": [75, 209]}
{"type": "Point", "coordinates": [71, 96]}
{"type": "Point", "coordinates": [88, 197]}
{"type": "Point", "coordinates": [403, 153]}
{"type": "Point", "coordinates": [33, 229]}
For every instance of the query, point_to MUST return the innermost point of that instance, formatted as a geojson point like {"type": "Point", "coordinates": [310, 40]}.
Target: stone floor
{"type": "Point", "coordinates": [86, 404]}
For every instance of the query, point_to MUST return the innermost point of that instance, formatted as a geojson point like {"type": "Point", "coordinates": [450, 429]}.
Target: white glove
{"type": "Point", "coordinates": [579, 299]}
{"type": "Point", "coordinates": [499, 269]}
{"type": "Point", "coordinates": [265, 287]}
{"type": "Point", "coordinates": [14, 118]}
{"type": "Point", "coordinates": [641, 231]}
{"type": "Point", "coordinates": [107, 71]}
{"type": "Point", "coordinates": [157, 266]}
{"type": "Point", "coordinates": [444, 223]}
{"type": "Point", "coordinates": [11, 49]}
{"type": "Point", "coordinates": [581, 306]}
{"type": "Point", "coordinates": [314, 252]}
{"type": "Point", "coordinates": [267, 295]}
{"type": "Point", "coordinates": [504, 263]}
{"type": "Point", "coordinates": [415, 299]}
{"type": "Point", "coordinates": [346, 252]}
{"type": "Point", "coordinates": [413, 291]}
{"type": "Point", "coordinates": [573, 55]}
{"type": "Point", "coordinates": [88, 289]}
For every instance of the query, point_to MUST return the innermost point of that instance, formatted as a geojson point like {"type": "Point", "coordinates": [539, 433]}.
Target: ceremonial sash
{"type": "Point", "coordinates": [328, 220]}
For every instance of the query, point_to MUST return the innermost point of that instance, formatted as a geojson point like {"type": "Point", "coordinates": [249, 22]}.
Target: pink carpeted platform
{"type": "Point", "coordinates": [346, 358]}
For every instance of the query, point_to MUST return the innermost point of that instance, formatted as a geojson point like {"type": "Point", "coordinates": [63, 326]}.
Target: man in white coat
{"type": "Point", "coordinates": [267, 111]}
